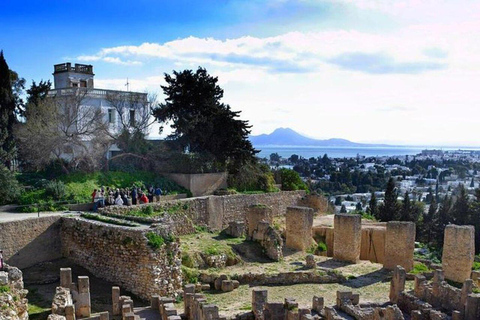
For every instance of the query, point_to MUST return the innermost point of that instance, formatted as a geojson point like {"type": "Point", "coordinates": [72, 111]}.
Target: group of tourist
{"type": "Point", "coordinates": [110, 196]}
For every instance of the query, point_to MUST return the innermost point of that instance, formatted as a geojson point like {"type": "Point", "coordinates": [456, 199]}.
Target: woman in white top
{"type": "Point", "coordinates": [119, 201]}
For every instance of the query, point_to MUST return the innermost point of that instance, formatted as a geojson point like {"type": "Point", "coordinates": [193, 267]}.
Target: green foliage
{"type": "Point", "coordinates": [476, 265]}
{"type": "Point", "coordinates": [154, 240]}
{"type": "Point", "coordinates": [7, 114]}
{"type": "Point", "coordinates": [187, 260]}
{"type": "Point", "coordinates": [201, 229]}
{"type": "Point", "coordinates": [10, 189]}
{"type": "Point", "coordinates": [318, 248]}
{"type": "Point", "coordinates": [101, 218]}
{"type": "Point", "coordinates": [321, 247]}
{"type": "Point", "coordinates": [55, 190]}
{"type": "Point", "coordinates": [252, 176]}
{"type": "Point", "coordinates": [42, 205]}
{"type": "Point", "coordinates": [420, 267]}
{"type": "Point", "coordinates": [201, 122]}
{"type": "Point", "coordinates": [190, 275]}
{"type": "Point", "coordinates": [4, 289]}
{"type": "Point", "coordinates": [291, 180]}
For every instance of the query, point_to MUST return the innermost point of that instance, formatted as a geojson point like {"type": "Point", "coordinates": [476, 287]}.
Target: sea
{"type": "Point", "coordinates": [346, 152]}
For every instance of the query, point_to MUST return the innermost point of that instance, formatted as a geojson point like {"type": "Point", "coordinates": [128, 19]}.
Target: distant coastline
{"type": "Point", "coordinates": [348, 152]}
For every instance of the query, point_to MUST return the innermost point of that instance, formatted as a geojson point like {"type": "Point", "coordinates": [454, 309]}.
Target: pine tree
{"type": "Point", "coordinates": [372, 205]}
{"type": "Point", "coordinates": [461, 207]}
{"type": "Point", "coordinates": [430, 221]}
{"type": "Point", "coordinates": [343, 209]}
{"type": "Point", "coordinates": [7, 114]}
{"type": "Point", "coordinates": [389, 210]}
{"type": "Point", "coordinates": [405, 213]}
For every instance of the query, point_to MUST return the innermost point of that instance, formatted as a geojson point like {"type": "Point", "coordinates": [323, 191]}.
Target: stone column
{"type": "Point", "coordinates": [399, 245]}
{"type": "Point", "coordinates": [299, 222]}
{"type": "Point", "coordinates": [458, 252]}
{"type": "Point", "coordinates": [255, 214]}
{"type": "Point", "coordinates": [82, 305]}
{"type": "Point", "coordinates": [66, 277]}
{"type": "Point", "coordinates": [116, 307]}
{"type": "Point", "coordinates": [259, 300]}
{"type": "Point", "coordinates": [347, 237]}
{"type": "Point", "coordinates": [397, 285]}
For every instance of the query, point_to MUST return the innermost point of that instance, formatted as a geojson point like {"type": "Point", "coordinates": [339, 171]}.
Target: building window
{"type": "Point", "coordinates": [132, 117]}
{"type": "Point", "coordinates": [111, 115]}
{"type": "Point", "coordinates": [75, 84]}
{"type": "Point", "coordinates": [83, 83]}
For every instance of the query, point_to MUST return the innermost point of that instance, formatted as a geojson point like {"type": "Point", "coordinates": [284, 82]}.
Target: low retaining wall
{"type": "Point", "coordinates": [217, 211]}
{"type": "Point", "coordinates": [121, 255]}
{"type": "Point", "coordinates": [30, 241]}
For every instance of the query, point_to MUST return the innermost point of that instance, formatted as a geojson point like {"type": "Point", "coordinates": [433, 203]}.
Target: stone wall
{"type": "Point", "coordinates": [30, 241]}
{"type": "Point", "coordinates": [217, 212]}
{"type": "Point", "coordinates": [200, 184]}
{"type": "Point", "coordinates": [121, 255]}
{"type": "Point", "coordinates": [13, 303]}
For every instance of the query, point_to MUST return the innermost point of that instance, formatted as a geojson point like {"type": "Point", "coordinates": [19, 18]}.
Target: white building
{"type": "Point", "coordinates": [120, 109]}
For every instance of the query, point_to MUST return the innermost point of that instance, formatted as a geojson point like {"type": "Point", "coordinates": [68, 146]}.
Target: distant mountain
{"type": "Point", "coordinates": [289, 137]}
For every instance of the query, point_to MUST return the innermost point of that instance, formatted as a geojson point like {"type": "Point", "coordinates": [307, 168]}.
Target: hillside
{"type": "Point", "coordinates": [289, 137]}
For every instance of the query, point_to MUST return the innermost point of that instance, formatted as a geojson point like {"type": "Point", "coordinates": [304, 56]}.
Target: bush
{"type": "Point", "coordinates": [190, 275]}
{"type": "Point", "coordinates": [291, 180]}
{"type": "Point", "coordinates": [420, 268]}
{"type": "Point", "coordinates": [154, 240]}
{"type": "Point", "coordinates": [10, 189]}
{"type": "Point", "coordinates": [252, 177]}
{"type": "Point", "coordinates": [55, 190]}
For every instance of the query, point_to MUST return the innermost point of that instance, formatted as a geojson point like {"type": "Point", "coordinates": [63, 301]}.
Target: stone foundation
{"type": "Point", "coordinates": [347, 237]}
{"type": "Point", "coordinates": [256, 214]}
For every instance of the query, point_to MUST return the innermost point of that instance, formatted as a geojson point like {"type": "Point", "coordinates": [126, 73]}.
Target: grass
{"type": "Point", "coordinates": [419, 268]}
{"type": "Point", "coordinates": [4, 289]}
{"type": "Point", "coordinates": [97, 217]}
{"type": "Point", "coordinates": [156, 241]}
{"type": "Point", "coordinates": [317, 249]}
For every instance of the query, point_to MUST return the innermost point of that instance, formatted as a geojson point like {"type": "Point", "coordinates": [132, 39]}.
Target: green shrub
{"type": "Point", "coordinates": [10, 189]}
{"type": "Point", "coordinates": [420, 268]}
{"type": "Point", "coordinates": [252, 177]}
{"type": "Point", "coordinates": [291, 180]}
{"type": "Point", "coordinates": [321, 247]}
{"type": "Point", "coordinates": [476, 265]}
{"type": "Point", "coordinates": [190, 275]}
{"type": "Point", "coordinates": [148, 210]}
{"type": "Point", "coordinates": [154, 240]}
{"type": "Point", "coordinates": [55, 190]}
{"type": "Point", "coordinates": [187, 260]}
{"type": "Point", "coordinates": [4, 289]}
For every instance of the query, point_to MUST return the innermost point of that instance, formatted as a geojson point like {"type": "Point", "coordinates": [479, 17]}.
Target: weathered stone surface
{"type": "Point", "coordinates": [397, 285]}
{"type": "Point", "coordinates": [61, 299]}
{"type": "Point", "coordinates": [299, 221]}
{"type": "Point", "coordinates": [122, 255]}
{"type": "Point", "coordinates": [269, 239]}
{"type": "Point", "coordinates": [317, 202]}
{"type": "Point", "coordinates": [227, 286]}
{"type": "Point", "coordinates": [372, 247]}
{"type": "Point", "coordinates": [458, 252]}
{"type": "Point", "coordinates": [259, 300]}
{"type": "Point", "coordinates": [310, 261]}
{"type": "Point", "coordinates": [116, 307]}
{"type": "Point", "coordinates": [236, 229]}
{"type": "Point", "coordinates": [256, 214]}
{"type": "Point", "coordinates": [65, 277]}
{"type": "Point", "coordinates": [218, 281]}
{"type": "Point", "coordinates": [399, 245]}
{"type": "Point", "coordinates": [317, 304]}
{"type": "Point", "coordinates": [347, 237]}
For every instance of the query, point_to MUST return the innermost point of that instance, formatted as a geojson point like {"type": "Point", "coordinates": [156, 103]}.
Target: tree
{"type": "Point", "coordinates": [291, 180]}
{"type": "Point", "coordinates": [359, 207]}
{"type": "Point", "coordinates": [343, 209]}
{"type": "Point", "coordinates": [372, 205]}
{"type": "Point", "coordinates": [461, 207]}
{"type": "Point", "coordinates": [405, 212]}
{"type": "Point", "coordinates": [62, 128]}
{"type": "Point", "coordinates": [274, 157]}
{"type": "Point", "coordinates": [36, 94]}
{"type": "Point", "coordinates": [389, 210]}
{"type": "Point", "coordinates": [10, 189]}
{"type": "Point", "coordinates": [7, 114]}
{"type": "Point", "coordinates": [201, 123]}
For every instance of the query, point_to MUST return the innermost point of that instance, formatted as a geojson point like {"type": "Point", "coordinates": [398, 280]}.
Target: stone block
{"type": "Point", "coordinates": [205, 286]}
{"type": "Point", "coordinates": [458, 252]}
{"type": "Point", "coordinates": [306, 317]}
{"type": "Point", "coordinates": [3, 278]}
{"type": "Point", "coordinates": [116, 307]}
{"type": "Point", "coordinates": [310, 261]}
{"type": "Point", "coordinates": [70, 312]}
{"type": "Point", "coordinates": [373, 243]}
{"type": "Point", "coordinates": [318, 304]}
{"type": "Point", "coordinates": [472, 308]}
{"type": "Point", "coordinates": [255, 214]}
{"type": "Point", "coordinates": [259, 300]}
{"type": "Point", "coordinates": [236, 284]}
{"type": "Point", "coordinates": [355, 299]}
{"type": "Point", "coordinates": [227, 285]}
{"type": "Point", "coordinates": [154, 302]}
{"type": "Point", "coordinates": [299, 222]}
{"type": "Point", "coordinates": [236, 229]}
{"type": "Point", "coordinates": [129, 316]}
{"type": "Point", "coordinates": [399, 245]}
{"type": "Point", "coordinates": [274, 310]}
{"type": "Point", "coordinates": [104, 315]}
{"type": "Point", "coordinates": [218, 282]}
{"type": "Point", "coordinates": [174, 317]}
{"type": "Point", "coordinates": [66, 277]}
{"type": "Point", "coordinates": [347, 237]}
{"type": "Point", "coordinates": [397, 285]}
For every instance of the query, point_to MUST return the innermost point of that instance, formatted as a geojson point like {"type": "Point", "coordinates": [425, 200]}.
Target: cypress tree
{"type": "Point", "coordinates": [7, 114]}
{"type": "Point", "coordinates": [389, 210]}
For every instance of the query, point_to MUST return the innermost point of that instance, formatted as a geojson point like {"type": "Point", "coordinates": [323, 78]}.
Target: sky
{"type": "Point", "coordinates": [381, 71]}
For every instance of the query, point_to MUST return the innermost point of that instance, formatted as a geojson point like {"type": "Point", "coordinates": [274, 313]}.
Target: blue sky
{"type": "Point", "coordinates": [403, 71]}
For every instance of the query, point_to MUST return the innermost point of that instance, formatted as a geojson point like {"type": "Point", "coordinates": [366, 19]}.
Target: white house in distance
{"type": "Point", "coordinates": [127, 109]}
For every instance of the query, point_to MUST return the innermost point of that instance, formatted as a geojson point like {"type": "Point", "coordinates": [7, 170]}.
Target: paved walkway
{"type": "Point", "coordinates": [12, 216]}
